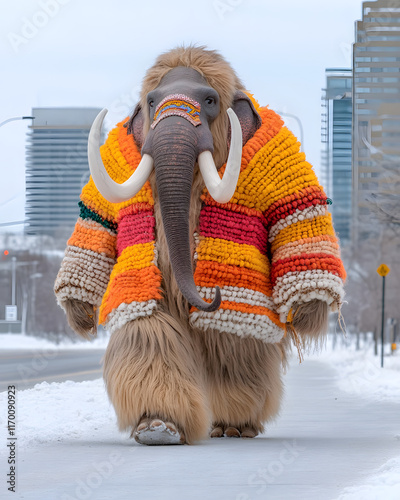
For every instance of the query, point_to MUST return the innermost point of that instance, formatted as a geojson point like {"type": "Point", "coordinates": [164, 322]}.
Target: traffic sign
{"type": "Point", "coordinates": [11, 313]}
{"type": "Point", "coordinates": [383, 270]}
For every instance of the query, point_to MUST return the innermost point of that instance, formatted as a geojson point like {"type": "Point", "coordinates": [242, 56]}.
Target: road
{"type": "Point", "coordinates": [25, 368]}
{"type": "Point", "coordinates": [323, 441]}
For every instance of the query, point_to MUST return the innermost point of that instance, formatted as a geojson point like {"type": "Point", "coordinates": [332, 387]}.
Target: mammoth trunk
{"type": "Point", "coordinates": [174, 153]}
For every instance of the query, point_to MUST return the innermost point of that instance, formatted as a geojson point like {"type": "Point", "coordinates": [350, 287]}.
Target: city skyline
{"type": "Point", "coordinates": [92, 68]}
{"type": "Point", "coordinates": [56, 168]}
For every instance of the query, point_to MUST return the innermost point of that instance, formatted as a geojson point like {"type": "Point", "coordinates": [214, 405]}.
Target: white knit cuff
{"type": "Point", "coordinates": [84, 275]}
{"type": "Point", "coordinates": [304, 286]}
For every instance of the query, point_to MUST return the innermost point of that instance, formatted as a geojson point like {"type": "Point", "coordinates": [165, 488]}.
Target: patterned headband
{"type": "Point", "coordinates": [178, 105]}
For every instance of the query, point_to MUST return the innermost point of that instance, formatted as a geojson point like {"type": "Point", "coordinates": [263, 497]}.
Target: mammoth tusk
{"type": "Point", "coordinates": [109, 189]}
{"type": "Point", "coordinates": [223, 189]}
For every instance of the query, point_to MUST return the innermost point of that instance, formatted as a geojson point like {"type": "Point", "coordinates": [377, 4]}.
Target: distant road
{"type": "Point", "coordinates": [25, 368]}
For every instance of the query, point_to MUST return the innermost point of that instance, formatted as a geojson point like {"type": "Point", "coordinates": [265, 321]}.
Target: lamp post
{"type": "Point", "coordinates": [13, 274]}
{"type": "Point", "coordinates": [289, 115]}
{"type": "Point", "coordinates": [13, 309]}
{"type": "Point", "coordinates": [17, 118]}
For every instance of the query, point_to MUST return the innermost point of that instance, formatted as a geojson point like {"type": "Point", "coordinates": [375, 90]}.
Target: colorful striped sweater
{"type": "Point", "coordinates": [273, 245]}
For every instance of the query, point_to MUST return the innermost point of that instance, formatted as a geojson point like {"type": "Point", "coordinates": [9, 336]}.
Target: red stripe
{"type": "Point", "coordinates": [216, 222]}
{"type": "Point", "coordinates": [307, 262]}
{"type": "Point", "coordinates": [134, 229]}
{"type": "Point", "coordinates": [290, 209]}
{"type": "Point", "coordinates": [296, 201]}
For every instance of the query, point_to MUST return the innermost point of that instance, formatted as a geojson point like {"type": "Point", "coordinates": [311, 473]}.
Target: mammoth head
{"type": "Point", "coordinates": [181, 120]}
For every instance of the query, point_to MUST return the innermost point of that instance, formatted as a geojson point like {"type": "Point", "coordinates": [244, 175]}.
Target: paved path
{"type": "Point", "coordinates": [324, 441]}
{"type": "Point", "coordinates": [25, 368]}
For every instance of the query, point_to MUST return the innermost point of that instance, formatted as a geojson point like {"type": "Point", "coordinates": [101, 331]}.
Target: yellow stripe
{"type": "Point", "coordinates": [308, 228]}
{"type": "Point", "coordinates": [276, 170]}
{"type": "Point", "coordinates": [236, 254]}
{"type": "Point", "coordinates": [119, 170]}
{"type": "Point", "coordinates": [137, 256]}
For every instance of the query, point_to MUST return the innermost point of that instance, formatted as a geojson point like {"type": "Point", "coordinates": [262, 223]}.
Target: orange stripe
{"type": "Point", "coordinates": [127, 145]}
{"type": "Point", "coordinates": [98, 240]}
{"type": "Point", "coordinates": [248, 309]}
{"type": "Point", "coordinates": [136, 285]}
{"type": "Point", "coordinates": [272, 124]}
{"type": "Point", "coordinates": [211, 274]}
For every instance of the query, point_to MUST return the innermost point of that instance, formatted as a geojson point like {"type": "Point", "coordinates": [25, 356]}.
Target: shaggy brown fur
{"type": "Point", "coordinates": [243, 380]}
{"type": "Point", "coordinates": [310, 320]}
{"type": "Point", "coordinates": [151, 368]}
{"type": "Point", "coordinates": [219, 75]}
{"type": "Point", "coordinates": [81, 317]}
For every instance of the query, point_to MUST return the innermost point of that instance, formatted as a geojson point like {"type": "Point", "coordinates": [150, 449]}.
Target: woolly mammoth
{"type": "Point", "coordinates": [205, 246]}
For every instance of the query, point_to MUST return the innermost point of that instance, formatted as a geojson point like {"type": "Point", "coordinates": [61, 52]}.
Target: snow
{"type": "Point", "coordinates": [19, 341]}
{"type": "Point", "coordinates": [69, 445]}
{"type": "Point", "coordinates": [360, 372]}
{"type": "Point", "coordinates": [84, 408]}
{"type": "Point", "coordinates": [384, 485]}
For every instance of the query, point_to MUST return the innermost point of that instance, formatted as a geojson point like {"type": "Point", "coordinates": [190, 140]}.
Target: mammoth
{"type": "Point", "coordinates": [205, 246]}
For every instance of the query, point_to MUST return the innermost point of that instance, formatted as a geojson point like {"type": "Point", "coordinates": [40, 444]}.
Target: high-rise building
{"type": "Point", "coordinates": [56, 167]}
{"type": "Point", "coordinates": [376, 116]}
{"type": "Point", "coordinates": [336, 150]}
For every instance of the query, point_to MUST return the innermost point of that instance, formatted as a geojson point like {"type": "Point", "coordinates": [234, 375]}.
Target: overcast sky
{"type": "Point", "coordinates": [95, 53]}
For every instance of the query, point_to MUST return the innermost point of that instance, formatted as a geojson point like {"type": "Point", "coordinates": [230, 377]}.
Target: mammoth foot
{"type": "Point", "coordinates": [154, 431]}
{"type": "Point", "coordinates": [220, 430]}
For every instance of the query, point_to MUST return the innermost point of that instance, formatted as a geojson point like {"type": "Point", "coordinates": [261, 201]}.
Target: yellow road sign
{"type": "Point", "coordinates": [383, 270]}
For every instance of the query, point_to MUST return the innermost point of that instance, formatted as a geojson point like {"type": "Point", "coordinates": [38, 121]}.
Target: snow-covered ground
{"type": "Point", "coordinates": [67, 432]}
{"type": "Point", "coordinates": [359, 373]}
{"type": "Point", "coordinates": [383, 485]}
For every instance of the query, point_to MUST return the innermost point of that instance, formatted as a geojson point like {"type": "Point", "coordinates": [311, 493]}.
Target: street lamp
{"type": "Point", "coordinates": [289, 115]}
{"type": "Point", "coordinates": [17, 118]}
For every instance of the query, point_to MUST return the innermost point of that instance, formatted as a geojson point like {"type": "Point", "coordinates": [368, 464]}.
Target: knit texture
{"type": "Point", "coordinates": [273, 245]}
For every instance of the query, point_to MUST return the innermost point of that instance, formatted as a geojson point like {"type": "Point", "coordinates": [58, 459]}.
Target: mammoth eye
{"type": "Point", "coordinates": [210, 100]}
{"type": "Point", "coordinates": [151, 104]}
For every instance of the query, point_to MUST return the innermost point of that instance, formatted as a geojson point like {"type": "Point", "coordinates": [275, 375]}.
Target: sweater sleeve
{"type": "Point", "coordinates": [92, 249]}
{"type": "Point", "coordinates": [89, 257]}
{"type": "Point", "coordinates": [305, 253]}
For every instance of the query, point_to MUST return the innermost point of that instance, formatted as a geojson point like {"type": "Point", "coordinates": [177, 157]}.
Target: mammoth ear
{"type": "Point", "coordinates": [135, 126]}
{"type": "Point", "coordinates": [250, 120]}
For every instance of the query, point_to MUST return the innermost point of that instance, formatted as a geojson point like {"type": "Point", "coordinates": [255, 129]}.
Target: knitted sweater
{"type": "Point", "coordinates": [271, 246]}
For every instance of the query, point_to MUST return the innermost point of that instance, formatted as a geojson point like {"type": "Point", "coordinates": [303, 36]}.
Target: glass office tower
{"type": "Point", "coordinates": [56, 168]}
{"type": "Point", "coordinates": [337, 147]}
{"type": "Point", "coordinates": [376, 116]}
